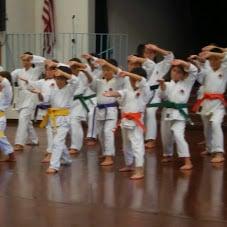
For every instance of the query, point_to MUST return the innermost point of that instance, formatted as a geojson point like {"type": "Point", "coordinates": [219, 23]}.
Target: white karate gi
{"type": "Point", "coordinates": [134, 101]}
{"type": "Point", "coordinates": [172, 122]}
{"type": "Point", "coordinates": [212, 111]}
{"type": "Point", "coordinates": [61, 98]}
{"type": "Point", "coordinates": [44, 85]}
{"type": "Point", "coordinates": [78, 114]}
{"type": "Point", "coordinates": [26, 101]}
{"type": "Point", "coordinates": [5, 101]}
{"type": "Point", "coordinates": [106, 117]}
{"type": "Point", "coordinates": [155, 72]}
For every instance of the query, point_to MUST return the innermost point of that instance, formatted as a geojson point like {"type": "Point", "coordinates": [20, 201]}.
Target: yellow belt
{"type": "Point", "coordinates": [2, 134]}
{"type": "Point", "coordinates": [51, 114]}
{"type": "Point", "coordinates": [2, 113]}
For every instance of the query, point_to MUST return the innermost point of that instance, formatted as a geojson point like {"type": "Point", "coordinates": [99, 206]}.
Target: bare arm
{"type": "Point", "coordinates": [115, 94]}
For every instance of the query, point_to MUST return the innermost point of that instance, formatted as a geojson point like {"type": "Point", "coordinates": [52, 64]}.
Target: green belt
{"type": "Point", "coordinates": [178, 106]}
{"type": "Point", "coordinates": [82, 99]}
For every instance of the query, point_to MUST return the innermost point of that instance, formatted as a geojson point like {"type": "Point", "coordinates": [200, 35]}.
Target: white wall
{"type": "Point", "coordinates": [20, 14]}
{"type": "Point", "coordinates": [26, 15]}
{"type": "Point", "coordinates": [63, 15]}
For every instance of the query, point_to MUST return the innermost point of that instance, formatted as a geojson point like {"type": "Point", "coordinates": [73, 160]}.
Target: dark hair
{"type": "Point", "coordinates": [179, 67]}
{"type": "Point", "coordinates": [140, 50]}
{"type": "Point", "coordinates": [54, 60]}
{"type": "Point", "coordinates": [65, 69]}
{"type": "Point", "coordinates": [112, 62]}
{"type": "Point", "coordinates": [6, 75]}
{"type": "Point", "coordinates": [139, 71]}
{"type": "Point", "coordinates": [28, 52]}
{"type": "Point", "coordinates": [94, 55]}
{"type": "Point", "coordinates": [216, 50]}
{"type": "Point", "coordinates": [76, 59]}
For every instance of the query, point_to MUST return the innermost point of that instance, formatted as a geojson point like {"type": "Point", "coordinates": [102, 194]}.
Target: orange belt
{"type": "Point", "coordinates": [208, 96]}
{"type": "Point", "coordinates": [136, 117]}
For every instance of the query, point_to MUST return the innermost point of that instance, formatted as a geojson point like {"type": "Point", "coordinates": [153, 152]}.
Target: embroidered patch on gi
{"type": "Point", "coordinates": [182, 91]}
{"type": "Point", "coordinates": [137, 94]}
{"type": "Point", "coordinates": [167, 115]}
{"type": "Point", "coordinates": [220, 76]}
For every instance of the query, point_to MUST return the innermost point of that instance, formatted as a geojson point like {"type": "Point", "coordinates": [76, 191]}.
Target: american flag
{"type": "Point", "coordinates": [48, 26]}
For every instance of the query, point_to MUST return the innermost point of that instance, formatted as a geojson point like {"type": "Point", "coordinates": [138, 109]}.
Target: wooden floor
{"type": "Point", "coordinates": [87, 195]}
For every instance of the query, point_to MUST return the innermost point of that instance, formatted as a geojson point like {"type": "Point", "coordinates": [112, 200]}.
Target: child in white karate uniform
{"type": "Point", "coordinates": [60, 99]}
{"type": "Point", "coordinates": [107, 110]}
{"type": "Point", "coordinates": [155, 71]}
{"type": "Point", "coordinates": [82, 104]}
{"type": "Point", "coordinates": [175, 95]}
{"type": "Point", "coordinates": [44, 85]}
{"type": "Point", "coordinates": [33, 67]}
{"type": "Point", "coordinates": [133, 100]}
{"type": "Point", "coordinates": [6, 95]}
{"type": "Point", "coordinates": [211, 106]}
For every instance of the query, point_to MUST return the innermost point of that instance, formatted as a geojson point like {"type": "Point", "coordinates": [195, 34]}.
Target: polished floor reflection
{"type": "Point", "coordinates": [86, 194]}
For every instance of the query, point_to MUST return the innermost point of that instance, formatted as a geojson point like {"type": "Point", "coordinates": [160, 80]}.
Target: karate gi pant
{"type": "Point", "coordinates": [76, 132]}
{"type": "Point", "coordinates": [174, 131]}
{"type": "Point", "coordinates": [5, 146]}
{"type": "Point", "coordinates": [25, 129]}
{"type": "Point", "coordinates": [49, 133]}
{"type": "Point", "coordinates": [151, 123]}
{"type": "Point", "coordinates": [107, 136]}
{"type": "Point", "coordinates": [133, 146]}
{"type": "Point", "coordinates": [59, 149]}
{"type": "Point", "coordinates": [212, 126]}
{"type": "Point", "coordinates": [91, 121]}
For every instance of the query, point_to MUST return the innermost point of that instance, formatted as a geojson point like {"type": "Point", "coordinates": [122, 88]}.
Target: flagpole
{"type": "Point", "coordinates": [73, 38]}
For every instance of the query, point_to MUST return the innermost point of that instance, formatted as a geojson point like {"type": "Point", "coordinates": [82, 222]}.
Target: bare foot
{"type": "Point", "coordinates": [108, 161]}
{"type": "Point", "coordinates": [186, 167]}
{"type": "Point", "coordinates": [138, 174]}
{"type": "Point", "coordinates": [150, 144]}
{"type": "Point", "coordinates": [167, 159]}
{"type": "Point", "coordinates": [46, 158]}
{"type": "Point", "coordinates": [218, 158]}
{"type": "Point", "coordinates": [102, 157]}
{"type": "Point", "coordinates": [91, 142]}
{"type": "Point", "coordinates": [205, 152]}
{"type": "Point", "coordinates": [73, 151]}
{"type": "Point", "coordinates": [9, 158]}
{"type": "Point", "coordinates": [51, 171]}
{"type": "Point", "coordinates": [18, 147]}
{"type": "Point", "coordinates": [126, 169]}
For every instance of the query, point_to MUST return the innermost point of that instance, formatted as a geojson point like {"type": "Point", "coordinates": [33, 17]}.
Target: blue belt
{"type": "Point", "coordinates": [41, 106]}
{"type": "Point", "coordinates": [104, 106]}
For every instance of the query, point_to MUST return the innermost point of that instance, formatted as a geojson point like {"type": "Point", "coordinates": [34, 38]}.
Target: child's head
{"type": "Point", "coordinates": [108, 73]}
{"type": "Point", "coordinates": [140, 50]}
{"type": "Point", "coordinates": [50, 71]}
{"type": "Point", "coordinates": [132, 65]}
{"type": "Point", "coordinates": [215, 62]}
{"type": "Point", "coordinates": [7, 75]}
{"type": "Point", "coordinates": [138, 71]}
{"type": "Point", "coordinates": [143, 52]}
{"type": "Point", "coordinates": [177, 73]}
{"type": "Point", "coordinates": [61, 81]}
{"type": "Point", "coordinates": [90, 61]}
{"type": "Point", "coordinates": [75, 69]}
{"type": "Point", "coordinates": [26, 62]}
